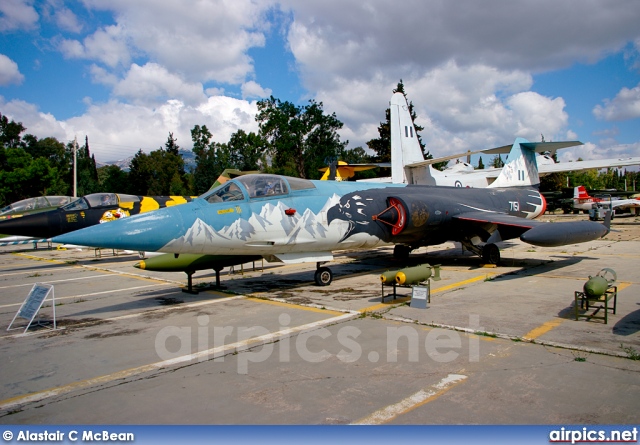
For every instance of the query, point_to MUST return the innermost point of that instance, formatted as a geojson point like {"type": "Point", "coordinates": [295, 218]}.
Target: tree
{"type": "Point", "coordinates": [480, 163]}
{"type": "Point", "coordinates": [246, 151]}
{"type": "Point", "coordinates": [299, 138]}
{"type": "Point", "coordinates": [211, 159]}
{"type": "Point", "coordinates": [25, 177]}
{"type": "Point", "coordinates": [160, 173]}
{"type": "Point", "coordinates": [10, 132]}
{"type": "Point", "coordinates": [113, 179]}
{"type": "Point", "coordinates": [497, 162]}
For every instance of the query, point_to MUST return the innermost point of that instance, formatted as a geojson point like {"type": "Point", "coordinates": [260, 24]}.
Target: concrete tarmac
{"type": "Point", "coordinates": [496, 345]}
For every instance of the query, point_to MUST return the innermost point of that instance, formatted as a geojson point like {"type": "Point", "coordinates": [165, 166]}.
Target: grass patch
{"type": "Point", "coordinates": [485, 334]}
{"type": "Point", "coordinates": [631, 352]}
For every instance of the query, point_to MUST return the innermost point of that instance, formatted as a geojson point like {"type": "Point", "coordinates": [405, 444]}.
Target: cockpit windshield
{"type": "Point", "coordinates": [78, 204]}
{"type": "Point", "coordinates": [264, 185]}
{"type": "Point", "coordinates": [102, 199]}
{"type": "Point", "coordinates": [224, 193]}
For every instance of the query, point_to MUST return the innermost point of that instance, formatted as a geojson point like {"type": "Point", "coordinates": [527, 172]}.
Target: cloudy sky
{"type": "Point", "coordinates": [480, 73]}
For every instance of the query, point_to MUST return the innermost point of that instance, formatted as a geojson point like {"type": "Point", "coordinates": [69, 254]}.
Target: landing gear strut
{"type": "Point", "coordinates": [490, 253]}
{"type": "Point", "coordinates": [323, 276]}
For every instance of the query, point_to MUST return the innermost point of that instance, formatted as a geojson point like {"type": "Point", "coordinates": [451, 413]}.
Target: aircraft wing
{"type": "Point", "coordinates": [538, 147]}
{"type": "Point", "coordinates": [587, 165]}
{"type": "Point", "coordinates": [499, 219]}
{"type": "Point", "coordinates": [534, 232]}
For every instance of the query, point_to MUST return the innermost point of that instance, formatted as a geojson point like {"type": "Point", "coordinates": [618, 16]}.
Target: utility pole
{"type": "Point", "coordinates": [75, 169]}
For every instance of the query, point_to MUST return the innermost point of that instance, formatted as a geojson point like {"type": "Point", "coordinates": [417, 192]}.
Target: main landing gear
{"type": "Point", "coordinates": [490, 253]}
{"type": "Point", "coordinates": [323, 275]}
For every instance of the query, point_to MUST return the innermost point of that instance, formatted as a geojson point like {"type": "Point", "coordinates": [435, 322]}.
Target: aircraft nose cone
{"type": "Point", "coordinates": [146, 232]}
{"type": "Point", "coordinates": [37, 225]}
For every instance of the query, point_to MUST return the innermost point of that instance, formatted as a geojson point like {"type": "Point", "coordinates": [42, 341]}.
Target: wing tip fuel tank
{"type": "Point", "coordinates": [560, 234]}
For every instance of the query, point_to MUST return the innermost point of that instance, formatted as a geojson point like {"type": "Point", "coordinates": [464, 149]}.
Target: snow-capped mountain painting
{"type": "Point", "coordinates": [271, 224]}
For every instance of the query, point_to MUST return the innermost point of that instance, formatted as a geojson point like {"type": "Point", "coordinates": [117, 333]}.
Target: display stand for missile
{"type": "Point", "coordinates": [418, 278]}
{"type": "Point", "coordinates": [597, 293]}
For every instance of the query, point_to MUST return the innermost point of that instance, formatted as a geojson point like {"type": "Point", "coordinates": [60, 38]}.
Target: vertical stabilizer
{"type": "Point", "coordinates": [580, 192]}
{"type": "Point", "coordinates": [405, 148]}
{"type": "Point", "coordinates": [521, 168]}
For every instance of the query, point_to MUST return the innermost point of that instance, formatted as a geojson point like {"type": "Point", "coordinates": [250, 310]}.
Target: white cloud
{"type": "Point", "coordinates": [253, 89]}
{"type": "Point", "coordinates": [117, 130]}
{"type": "Point", "coordinates": [344, 38]}
{"type": "Point", "coordinates": [461, 108]}
{"type": "Point", "coordinates": [602, 150]}
{"type": "Point", "coordinates": [152, 82]}
{"type": "Point", "coordinates": [64, 18]}
{"type": "Point", "coordinates": [625, 106]}
{"type": "Point", "coordinates": [202, 41]}
{"type": "Point", "coordinates": [9, 72]}
{"type": "Point", "coordinates": [107, 45]}
{"type": "Point", "coordinates": [17, 15]}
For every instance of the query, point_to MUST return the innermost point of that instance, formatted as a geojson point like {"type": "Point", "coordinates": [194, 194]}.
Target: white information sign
{"type": "Point", "coordinates": [419, 296]}
{"type": "Point", "coordinates": [33, 303]}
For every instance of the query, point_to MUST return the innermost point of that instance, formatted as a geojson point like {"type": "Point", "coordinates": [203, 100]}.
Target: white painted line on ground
{"type": "Point", "coordinates": [202, 356]}
{"type": "Point", "coordinates": [31, 271]}
{"type": "Point", "coordinates": [53, 281]}
{"type": "Point", "coordinates": [423, 396]}
{"type": "Point", "coordinates": [94, 293]}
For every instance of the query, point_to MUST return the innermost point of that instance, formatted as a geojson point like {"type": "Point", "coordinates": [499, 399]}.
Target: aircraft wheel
{"type": "Point", "coordinates": [401, 252]}
{"type": "Point", "coordinates": [323, 276]}
{"type": "Point", "coordinates": [491, 254]}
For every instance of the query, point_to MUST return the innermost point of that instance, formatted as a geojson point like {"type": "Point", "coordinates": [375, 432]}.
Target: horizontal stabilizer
{"type": "Point", "coordinates": [538, 147]}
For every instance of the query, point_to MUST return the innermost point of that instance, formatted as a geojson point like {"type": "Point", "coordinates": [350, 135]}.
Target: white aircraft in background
{"type": "Point", "coordinates": [583, 201]}
{"type": "Point", "coordinates": [408, 165]}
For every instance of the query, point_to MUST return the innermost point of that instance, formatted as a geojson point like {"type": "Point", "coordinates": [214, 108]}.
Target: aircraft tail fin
{"type": "Point", "coordinates": [521, 168]}
{"type": "Point", "coordinates": [580, 192]}
{"type": "Point", "coordinates": [405, 147]}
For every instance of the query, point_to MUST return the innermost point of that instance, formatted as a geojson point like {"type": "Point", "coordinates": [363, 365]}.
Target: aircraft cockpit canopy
{"type": "Point", "coordinates": [99, 200]}
{"type": "Point", "coordinates": [40, 202]}
{"type": "Point", "coordinates": [257, 186]}
{"type": "Point", "coordinates": [264, 185]}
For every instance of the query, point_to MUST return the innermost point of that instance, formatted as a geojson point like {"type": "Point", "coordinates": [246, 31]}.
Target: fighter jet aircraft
{"type": "Point", "coordinates": [84, 212]}
{"type": "Point", "coordinates": [408, 165]}
{"type": "Point", "coordinates": [294, 220]}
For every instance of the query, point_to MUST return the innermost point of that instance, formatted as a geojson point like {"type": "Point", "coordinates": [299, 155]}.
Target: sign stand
{"type": "Point", "coordinates": [32, 304]}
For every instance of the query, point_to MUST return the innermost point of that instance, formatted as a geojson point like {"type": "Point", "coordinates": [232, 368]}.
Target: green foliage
{"type": "Point", "coordinates": [24, 177]}
{"type": "Point", "coordinates": [159, 173]}
{"type": "Point", "coordinates": [10, 132]}
{"type": "Point", "coordinates": [497, 162]}
{"type": "Point", "coordinates": [114, 180]}
{"type": "Point", "coordinates": [299, 139]}
{"type": "Point", "coordinates": [211, 159]}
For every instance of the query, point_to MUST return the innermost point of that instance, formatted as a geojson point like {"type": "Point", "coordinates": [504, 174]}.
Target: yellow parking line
{"type": "Point", "coordinates": [461, 283]}
{"type": "Point", "coordinates": [543, 329]}
{"type": "Point", "coordinates": [433, 291]}
{"type": "Point", "coordinates": [37, 258]}
{"type": "Point", "coordinates": [549, 325]}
